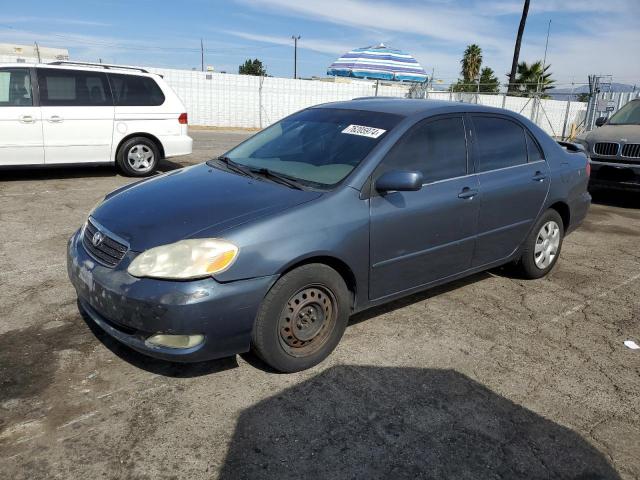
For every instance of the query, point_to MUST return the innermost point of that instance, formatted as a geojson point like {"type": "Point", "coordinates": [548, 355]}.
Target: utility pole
{"type": "Point", "coordinates": [516, 49]}
{"type": "Point", "coordinates": [38, 52]}
{"type": "Point", "coordinates": [202, 54]}
{"type": "Point", "coordinates": [295, 55]}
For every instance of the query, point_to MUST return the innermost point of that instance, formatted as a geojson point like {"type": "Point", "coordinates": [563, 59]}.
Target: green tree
{"type": "Point", "coordinates": [252, 67]}
{"type": "Point", "coordinates": [488, 81]}
{"type": "Point", "coordinates": [471, 62]}
{"type": "Point", "coordinates": [533, 78]}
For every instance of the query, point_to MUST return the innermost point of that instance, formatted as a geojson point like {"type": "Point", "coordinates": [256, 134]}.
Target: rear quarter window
{"type": "Point", "coordinates": [135, 91]}
{"type": "Point", "coordinates": [499, 143]}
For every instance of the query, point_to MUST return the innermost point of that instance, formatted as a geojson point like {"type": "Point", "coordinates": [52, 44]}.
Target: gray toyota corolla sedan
{"type": "Point", "coordinates": [337, 208]}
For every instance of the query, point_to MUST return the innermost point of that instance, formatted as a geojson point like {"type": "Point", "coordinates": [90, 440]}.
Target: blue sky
{"type": "Point", "coordinates": [587, 36]}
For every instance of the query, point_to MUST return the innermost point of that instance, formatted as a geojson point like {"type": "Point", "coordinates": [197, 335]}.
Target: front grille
{"type": "Point", "coordinates": [606, 148]}
{"type": "Point", "coordinates": [109, 252]}
{"type": "Point", "coordinates": [631, 150]}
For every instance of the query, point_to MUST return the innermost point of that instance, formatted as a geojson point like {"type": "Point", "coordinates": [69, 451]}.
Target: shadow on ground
{"type": "Point", "coordinates": [61, 172]}
{"type": "Point", "coordinates": [369, 422]}
{"type": "Point", "coordinates": [615, 198]}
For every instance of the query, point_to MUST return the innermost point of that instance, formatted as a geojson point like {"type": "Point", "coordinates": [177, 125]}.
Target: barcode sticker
{"type": "Point", "coordinates": [363, 131]}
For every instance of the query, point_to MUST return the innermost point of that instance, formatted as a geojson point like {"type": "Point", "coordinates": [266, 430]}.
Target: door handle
{"type": "Point", "coordinates": [27, 119]}
{"type": "Point", "coordinates": [468, 193]}
{"type": "Point", "coordinates": [55, 119]}
{"type": "Point", "coordinates": [538, 177]}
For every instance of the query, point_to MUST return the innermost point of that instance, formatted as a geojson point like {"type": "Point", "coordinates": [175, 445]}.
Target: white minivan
{"type": "Point", "coordinates": [74, 113]}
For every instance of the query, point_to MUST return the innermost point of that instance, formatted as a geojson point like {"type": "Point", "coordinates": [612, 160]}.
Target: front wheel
{"type": "Point", "coordinates": [542, 247]}
{"type": "Point", "coordinates": [302, 318]}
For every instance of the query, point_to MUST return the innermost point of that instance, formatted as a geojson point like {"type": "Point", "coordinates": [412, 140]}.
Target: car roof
{"type": "Point", "coordinates": [85, 67]}
{"type": "Point", "coordinates": [409, 106]}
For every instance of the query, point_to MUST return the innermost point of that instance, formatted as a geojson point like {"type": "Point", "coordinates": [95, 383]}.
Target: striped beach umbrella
{"type": "Point", "coordinates": [379, 63]}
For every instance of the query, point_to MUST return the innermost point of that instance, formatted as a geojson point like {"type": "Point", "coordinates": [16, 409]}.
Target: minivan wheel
{"type": "Point", "coordinates": [138, 157]}
{"type": "Point", "coordinates": [302, 318]}
{"type": "Point", "coordinates": [542, 247]}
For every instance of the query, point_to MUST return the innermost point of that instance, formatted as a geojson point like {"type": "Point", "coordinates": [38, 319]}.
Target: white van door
{"type": "Point", "coordinates": [20, 121]}
{"type": "Point", "coordinates": [77, 115]}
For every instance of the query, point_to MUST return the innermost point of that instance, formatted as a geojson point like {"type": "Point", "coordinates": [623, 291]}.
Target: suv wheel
{"type": "Point", "coordinates": [542, 247]}
{"type": "Point", "coordinates": [302, 318]}
{"type": "Point", "coordinates": [138, 157]}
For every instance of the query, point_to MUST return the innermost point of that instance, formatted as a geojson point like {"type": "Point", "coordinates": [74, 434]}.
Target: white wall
{"type": "Point", "coordinates": [228, 100]}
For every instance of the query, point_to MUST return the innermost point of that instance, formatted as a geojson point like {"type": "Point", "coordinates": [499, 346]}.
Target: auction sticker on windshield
{"type": "Point", "coordinates": [363, 131]}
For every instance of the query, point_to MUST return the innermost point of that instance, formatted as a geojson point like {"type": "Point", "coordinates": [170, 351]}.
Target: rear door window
{"type": "Point", "coordinates": [535, 154]}
{"type": "Point", "coordinates": [15, 87]}
{"type": "Point", "coordinates": [71, 88]}
{"type": "Point", "coordinates": [499, 143]}
{"type": "Point", "coordinates": [135, 91]}
{"type": "Point", "coordinates": [435, 147]}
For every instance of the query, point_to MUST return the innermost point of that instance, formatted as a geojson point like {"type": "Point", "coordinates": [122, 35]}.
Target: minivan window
{"type": "Point", "coordinates": [437, 148]}
{"type": "Point", "coordinates": [500, 143]}
{"type": "Point", "coordinates": [72, 88]}
{"type": "Point", "coordinates": [15, 87]}
{"type": "Point", "coordinates": [135, 91]}
{"type": "Point", "coordinates": [319, 146]}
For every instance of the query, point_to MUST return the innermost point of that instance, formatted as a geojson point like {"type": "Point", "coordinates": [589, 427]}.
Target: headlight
{"type": "Point", "coordinates": [186, 259]}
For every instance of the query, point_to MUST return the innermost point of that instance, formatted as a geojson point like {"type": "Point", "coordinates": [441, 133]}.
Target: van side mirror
{"type": "Point", "coordinates": [601, 121]}
{"type": "Point", "coordinates": [399, 181]}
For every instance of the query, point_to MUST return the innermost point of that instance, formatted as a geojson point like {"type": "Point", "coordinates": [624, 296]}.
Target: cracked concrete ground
{"type": "Point", "coordinates": [490, 377]}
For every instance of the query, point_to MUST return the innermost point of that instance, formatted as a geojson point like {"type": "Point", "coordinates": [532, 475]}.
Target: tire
{"type": "Point", "coordinates": [538, 258]}
{"type": "Point", "coordinates": [138, 157]}
{"type": "Point", "coordinates": [302, 318]}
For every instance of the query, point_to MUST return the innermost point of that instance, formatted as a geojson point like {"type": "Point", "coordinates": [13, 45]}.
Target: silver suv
{"type": "Point", "coordinates": [614, 149]}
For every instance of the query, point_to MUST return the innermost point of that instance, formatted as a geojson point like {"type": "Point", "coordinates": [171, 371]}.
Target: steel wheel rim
{"type": "Point", "coordinates": [307, 320]}
{"type": "Point", "coordinates": [140, 157]}
{"type": "Point", "coordinates": [547, 245]}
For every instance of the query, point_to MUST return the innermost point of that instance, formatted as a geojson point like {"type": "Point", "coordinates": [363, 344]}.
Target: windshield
{"type": "Point", "coordinates": [629, 114]}
{"type": "Point", "coordinates": [318, 146]}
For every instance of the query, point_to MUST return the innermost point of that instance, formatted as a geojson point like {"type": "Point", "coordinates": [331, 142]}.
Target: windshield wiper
{"type": "Point", "coordinates": [236, 167]}
{"type": "Point", "coordinates": [279, 178]}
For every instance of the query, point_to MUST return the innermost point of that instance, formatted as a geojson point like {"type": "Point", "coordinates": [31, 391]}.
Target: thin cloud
{"type": "Point", "coordinates": [317, 45]}
{"type": "Point", "coordinates": [58, 21]}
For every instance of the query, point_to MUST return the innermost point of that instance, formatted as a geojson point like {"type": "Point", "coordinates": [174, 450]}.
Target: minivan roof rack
{"type": "Point", "coordinates": [102, 65]}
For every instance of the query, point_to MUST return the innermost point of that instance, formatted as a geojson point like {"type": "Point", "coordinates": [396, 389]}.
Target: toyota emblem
{"type": "Point", "coordinates": [97, 239]}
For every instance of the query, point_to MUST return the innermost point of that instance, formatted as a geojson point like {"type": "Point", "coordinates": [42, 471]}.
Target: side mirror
{"type": "Point", "coordinates": [399, 181]}
{"type": "Point", "coordinates": [601, 121]}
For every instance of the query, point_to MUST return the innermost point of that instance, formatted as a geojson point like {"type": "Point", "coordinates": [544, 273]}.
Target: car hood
{"type": "Point", "coordinates": [615, 133]}
{"type": "Point", "coordinates": [180, 204]}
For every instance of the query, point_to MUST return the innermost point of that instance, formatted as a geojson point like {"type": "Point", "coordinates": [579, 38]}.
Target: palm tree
{"type": "Point", "coordinates": [516, 49]}
{"type": "Point", "coordinates": [471, 62]}
{"type": "Point", "coordinates": [533, 78]}
{"type": "Point", "coordinates": [488, 81]}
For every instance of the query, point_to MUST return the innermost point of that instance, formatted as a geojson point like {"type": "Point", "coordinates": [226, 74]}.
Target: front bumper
{"type": "Point", "coordinates": [131, 309]}
{"type": "Point", "coordinates": [610, 174]}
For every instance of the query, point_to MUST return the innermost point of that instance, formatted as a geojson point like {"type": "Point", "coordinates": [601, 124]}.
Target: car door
{"type": "Point", "coordinates": [420, 237]}
{"type": "Point", "coordinates": [77, 114]}
{"type": "Point", "coordinates": [513, 185]}
{"type": "Point", "coordinates": [20, 121]}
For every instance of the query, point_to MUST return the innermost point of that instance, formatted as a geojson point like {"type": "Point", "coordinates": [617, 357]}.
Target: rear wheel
{"type": "Point", "coordinates": [542, 247]}
{"type": "Point", "coordinates": [302, 318]}
{"type": "Point", "coordinates": [138, 157]}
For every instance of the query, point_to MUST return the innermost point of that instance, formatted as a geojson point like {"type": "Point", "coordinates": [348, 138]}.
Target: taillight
{"type": "Point", "coordinates": [588, 169]}
{"type": "Point", "coordinates": [182, 119]}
